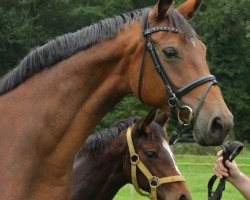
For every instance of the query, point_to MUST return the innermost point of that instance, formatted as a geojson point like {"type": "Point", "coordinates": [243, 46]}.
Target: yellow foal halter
{"type": "Point", "coordinates": [154, 181]}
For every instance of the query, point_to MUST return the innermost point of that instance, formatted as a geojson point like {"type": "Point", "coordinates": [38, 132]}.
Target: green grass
{"type": "Point", "coordinates": [197, 170]}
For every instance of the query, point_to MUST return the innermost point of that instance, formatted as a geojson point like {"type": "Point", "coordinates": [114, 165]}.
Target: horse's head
{"type": "Point", "coordinates": [148, 149]}
{"type": "Point", "coordinates": [174, 72]}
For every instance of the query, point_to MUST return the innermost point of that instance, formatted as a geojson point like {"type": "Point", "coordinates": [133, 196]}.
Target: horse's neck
{"type": "Point", "coordinates": [111, 187]}
{"type": "Point", "coordinates": [97, 180]}
{"type": "Point", "coordinates": [48, 116]}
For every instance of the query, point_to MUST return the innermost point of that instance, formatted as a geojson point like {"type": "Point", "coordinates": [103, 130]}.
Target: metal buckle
{"type": "Point", "coordinates": [172, 101]}
{"type": "Point", "coordinates": [134, 158]}
{"type": "Point", "coordinates": [190, 114]}
{"type": "Point", "coordinates": [154, 182]}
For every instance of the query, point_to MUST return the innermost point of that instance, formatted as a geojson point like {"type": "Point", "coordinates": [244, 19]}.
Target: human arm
{"type": "Point", "coordinates": [233, 174]}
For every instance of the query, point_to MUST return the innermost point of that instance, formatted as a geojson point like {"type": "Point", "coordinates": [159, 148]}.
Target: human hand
{"type": "Point", "coordinates": [220, 170]}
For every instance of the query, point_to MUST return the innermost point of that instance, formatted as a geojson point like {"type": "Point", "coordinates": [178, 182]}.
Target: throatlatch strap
{"type": "Point", "coordinates": [135, 183]}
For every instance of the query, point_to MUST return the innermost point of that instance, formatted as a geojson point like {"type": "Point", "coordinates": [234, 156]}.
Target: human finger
{"type": "Point", "coordinates": [220, 166]}
{"type": "Point", "coordinates": [219, 173]}
{"type": "Point", "coordinates": [220, 153]}
{"type": "Point", "coordinates": [231, 165]}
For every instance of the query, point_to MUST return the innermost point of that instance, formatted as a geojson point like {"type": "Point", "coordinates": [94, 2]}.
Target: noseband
{"type": "Point", "coordinates": [154, 181]}
{"type": "Point", "coordinates": [177, 107]}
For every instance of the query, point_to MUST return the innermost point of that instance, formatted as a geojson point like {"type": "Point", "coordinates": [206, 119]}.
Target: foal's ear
{"type": "Point", "coordinates": [189, 8]}
{"type": "Point", "coordinates": [161, 8]}
{"type": "Point", "coordinates": [161, 119]}
{"type": "Point", "coordinates": [148, 119]}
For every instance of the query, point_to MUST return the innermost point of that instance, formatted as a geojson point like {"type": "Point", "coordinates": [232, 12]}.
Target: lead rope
{"type": "Point", "coordinates": [230, 151]}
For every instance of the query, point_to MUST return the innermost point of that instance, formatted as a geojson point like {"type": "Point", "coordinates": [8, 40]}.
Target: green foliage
{"type": "Point", "coordinates": [130, 106]}
{"type": "Point", "coordinates": [88, 12]}
{"type": "Point", "coordinates": [17, 33]}
{"type": "Point", "coordinates": [223, 25]}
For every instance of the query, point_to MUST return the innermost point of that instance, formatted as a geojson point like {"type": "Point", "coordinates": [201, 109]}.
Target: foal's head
{"type": "Point", "coordinates": [183, 58]}
{"type": "Point", "coordinates": [149, 140]}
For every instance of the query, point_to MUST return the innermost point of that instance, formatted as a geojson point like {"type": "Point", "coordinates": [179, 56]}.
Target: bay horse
{"type": "Point", "coordinates": [53, 99]}
{"type": "Point", "coordinates": [105, 162]}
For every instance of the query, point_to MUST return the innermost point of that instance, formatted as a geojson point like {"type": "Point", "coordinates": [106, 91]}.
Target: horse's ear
{"type": "Point", "coordinates": [189, 8]}
{"type": "Point", "coordinates": [161, 8]}
{"type": "Point", "coordinates": [161, 119]}
{"type": "Point", "coordinates": [148, 119]}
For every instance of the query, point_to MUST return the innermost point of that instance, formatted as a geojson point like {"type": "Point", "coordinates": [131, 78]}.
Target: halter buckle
{"type": "Point", "coordinates": [154, 182]}
{"type": "Point", "coordinates": [134, 159]}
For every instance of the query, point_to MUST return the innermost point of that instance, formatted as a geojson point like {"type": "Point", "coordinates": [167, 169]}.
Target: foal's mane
{"type": "Point", "coordinates": [97, 143]}
{"type": "Point", "coordinates": [62, 47]}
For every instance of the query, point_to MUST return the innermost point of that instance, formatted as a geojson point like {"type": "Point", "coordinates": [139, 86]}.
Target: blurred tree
{"type": "Point", "coordinates": [224, 27]}
{"type": "Point", "coordinates": [17, 33]}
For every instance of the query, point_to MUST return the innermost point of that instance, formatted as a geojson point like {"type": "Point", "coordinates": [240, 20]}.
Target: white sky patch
{"type": "Point", "coordinates": [166, 146]}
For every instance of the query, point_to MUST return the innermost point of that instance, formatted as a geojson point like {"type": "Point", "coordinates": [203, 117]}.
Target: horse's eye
{"type": "Point", "coordinates": [170, 52]}
{"type": "Point", "coordinates": [150, 154]}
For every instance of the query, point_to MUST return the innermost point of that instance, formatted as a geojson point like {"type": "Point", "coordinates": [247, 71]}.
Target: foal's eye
{"type": "Point", "coordinates": [150, 154]}
{"type": "Point", "coordinates": [170, 52]}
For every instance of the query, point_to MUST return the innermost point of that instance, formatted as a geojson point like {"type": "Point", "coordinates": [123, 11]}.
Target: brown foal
{"type": "Point", "coordinates": [103, 164]}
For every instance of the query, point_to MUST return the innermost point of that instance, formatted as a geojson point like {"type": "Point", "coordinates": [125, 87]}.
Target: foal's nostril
{"type": "Point", "coordinates": [217, 125]}
{"type": "Point", "coordinates": [183, 197]}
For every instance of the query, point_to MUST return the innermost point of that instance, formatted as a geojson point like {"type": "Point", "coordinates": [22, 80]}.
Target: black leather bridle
{"type": "Point", "coordinates": [183, 129]}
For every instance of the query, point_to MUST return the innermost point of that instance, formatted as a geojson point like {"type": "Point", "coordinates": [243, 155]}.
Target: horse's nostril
{"type": "Point", "coordinates": [183, 197]}
{"type": "Point", "coordinates": [217, 125]}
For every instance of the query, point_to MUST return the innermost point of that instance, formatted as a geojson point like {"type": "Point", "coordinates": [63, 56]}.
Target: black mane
{"type": "Point", "coordinates": [99, 141]}
{"type": "Point", "coordinates": [62, 47]}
